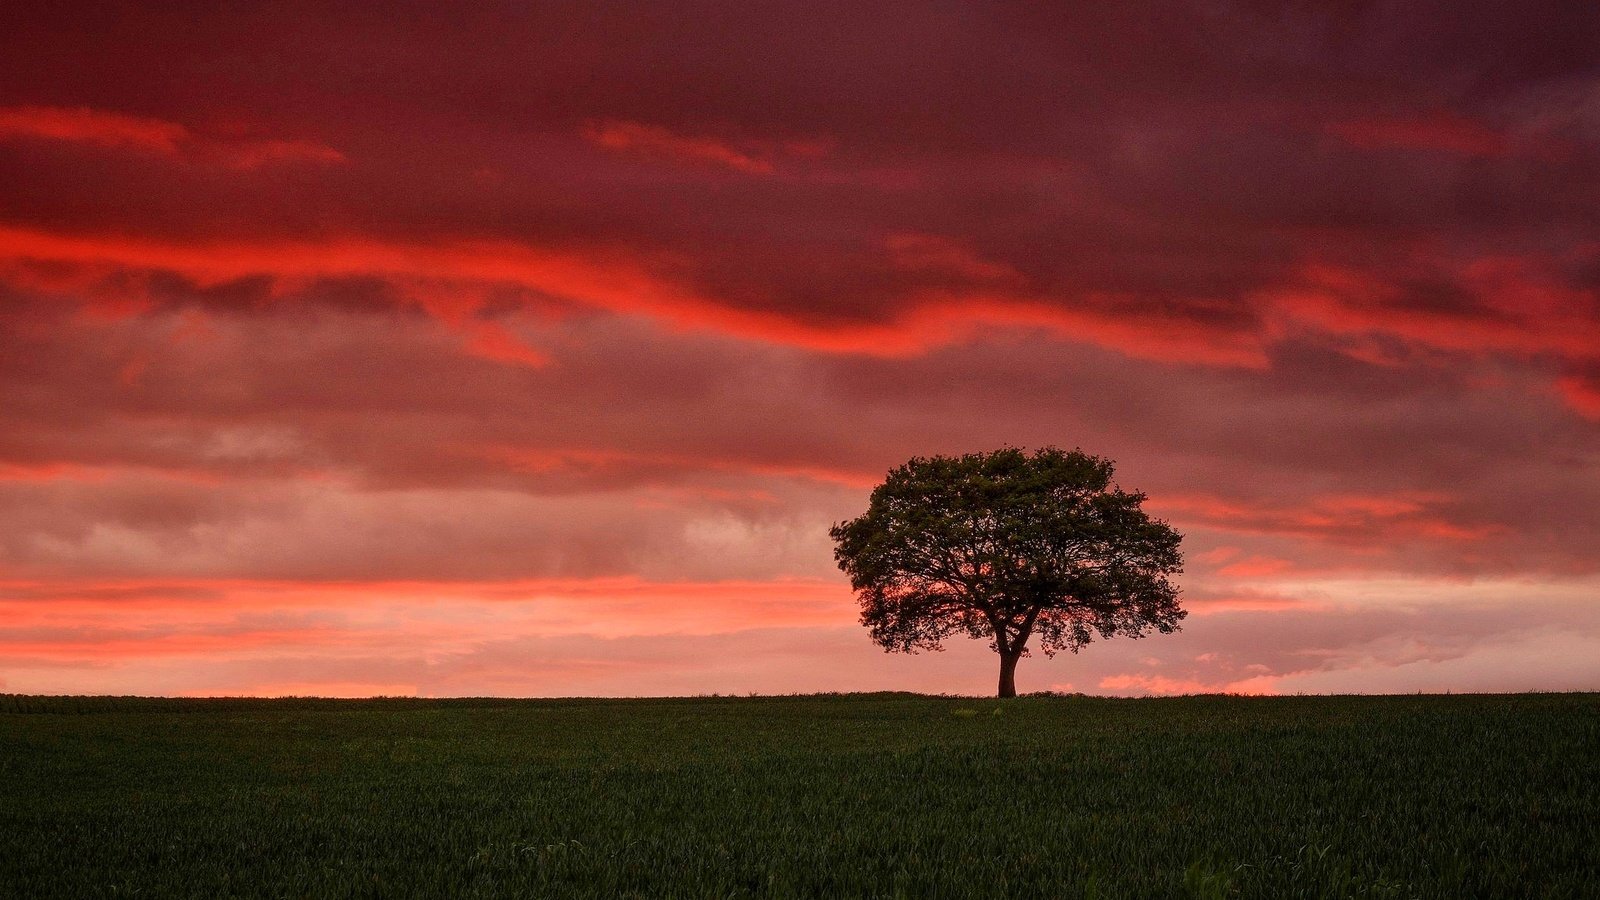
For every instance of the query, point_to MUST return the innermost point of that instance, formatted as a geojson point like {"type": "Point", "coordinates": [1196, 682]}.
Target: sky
{"type": "Point", "coordinates": [482, 349]}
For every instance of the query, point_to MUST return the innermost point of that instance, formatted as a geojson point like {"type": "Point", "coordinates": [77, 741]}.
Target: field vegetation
{"type": "Point", "coordinates": [860, 795]}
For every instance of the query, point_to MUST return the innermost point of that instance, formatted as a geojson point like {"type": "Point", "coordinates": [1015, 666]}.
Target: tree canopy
{"type": "Point", "coordinates": [1011, 547]}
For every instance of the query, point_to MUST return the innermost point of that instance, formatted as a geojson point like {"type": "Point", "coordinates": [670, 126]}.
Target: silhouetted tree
{"type": "Point", "coordinates": [1009, 546]}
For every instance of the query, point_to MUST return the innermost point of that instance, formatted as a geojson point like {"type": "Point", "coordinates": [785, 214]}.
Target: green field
{"type": "Point", "coordinates": [865, 795]}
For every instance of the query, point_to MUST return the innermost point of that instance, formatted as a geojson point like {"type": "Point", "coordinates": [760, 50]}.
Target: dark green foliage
{"type": "Point", "coordinates": [875, 796]}
{"type": "Point", "coordinates": [1006, 546]}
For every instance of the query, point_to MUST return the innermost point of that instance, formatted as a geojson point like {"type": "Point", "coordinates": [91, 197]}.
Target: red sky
{"type": "Point", "coordinates": [459, 349]}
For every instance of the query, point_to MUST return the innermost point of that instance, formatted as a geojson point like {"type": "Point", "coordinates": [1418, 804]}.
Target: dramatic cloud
{"type": "Point", "coordinates": [534, 351]}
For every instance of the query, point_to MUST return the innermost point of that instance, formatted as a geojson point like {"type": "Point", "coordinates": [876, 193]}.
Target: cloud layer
{"type": "Point", "coordinates": [534, 352]}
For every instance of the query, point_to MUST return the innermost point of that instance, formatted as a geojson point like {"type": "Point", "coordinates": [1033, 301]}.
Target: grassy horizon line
{"type": "Point", "coordinates": [8, 701]}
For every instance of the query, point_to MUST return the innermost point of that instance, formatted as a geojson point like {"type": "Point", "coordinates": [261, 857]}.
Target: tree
{"type": "Point", "coordinates": [1009, 546]}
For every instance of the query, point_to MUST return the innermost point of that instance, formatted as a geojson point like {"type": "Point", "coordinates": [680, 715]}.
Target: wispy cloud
{"type": "Point", "coordinates": [91, 126]}
{"type": "Point", "coordinates": [111, 129]}
{"type": "Point", "coordinates": [752, 157]}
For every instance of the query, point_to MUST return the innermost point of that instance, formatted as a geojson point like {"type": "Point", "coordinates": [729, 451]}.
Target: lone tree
{"type": "Point", "coordinates": [1006, 546]}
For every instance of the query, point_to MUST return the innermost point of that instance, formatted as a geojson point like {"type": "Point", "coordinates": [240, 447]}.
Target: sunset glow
{"type": "Point", "coordinates": [508, 351]}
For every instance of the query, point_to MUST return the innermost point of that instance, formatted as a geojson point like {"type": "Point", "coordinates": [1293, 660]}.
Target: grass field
{"type": "Point", "coordinates": [866, 795]}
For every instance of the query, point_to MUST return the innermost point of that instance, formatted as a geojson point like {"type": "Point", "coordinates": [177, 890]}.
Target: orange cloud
{"type": "Point", "coordinates": [1521, 311]}
{"type": "Point", "coordinates": [541, 460]}
{"type": "Point", "coordinates": [253, 154]}
{"type": "Point", "coordinates": [1204, 605]}
{"type": "Point", "coordinates": [620, 282]}
{"type": "Point", "coordinates": [1332, 516]}
{"type": "Point", "coordinates": [119, 130]}
{"type": "Point", "coordinates": [1215, 556]}
{"type": "Point", "coordinates": [935, 253]}
{"type": "Point", "coordinates": [51, 471]}
{"type": "Point", "coordinates": [95, 613]}
{"type": "Point", "coordinates": [491, 340]}
{"type": "Point", "coordinates": [89, 474]}
{"type": "Point", "coordinates": [105, 644]}
{"type": "Point", "coordinates": [361, 639]}
{"type": "Point", "coordinates": [1161, 685]}
{"type": "Point", "coordinates": [1256, 567]}
{"type": "Point", "coordinates": [84, 125]}
{"type": "Point", "coordinates": [1582, 394]}
{"type": "Point", "coordinates": [1119, 323]}
{"type": "Point", "coordinates": [653, 140]}
{"type": "Point", "coordinates": [1530, 314]}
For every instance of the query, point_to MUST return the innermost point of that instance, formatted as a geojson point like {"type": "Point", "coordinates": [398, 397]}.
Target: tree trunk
{"type": "Point", "coordinates": [1008, 674]}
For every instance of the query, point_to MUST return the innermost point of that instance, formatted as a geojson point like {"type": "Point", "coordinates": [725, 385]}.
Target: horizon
{"type": "Point", "coordinates": [854, 695]}
{"type": "Point", "coordinates": [536, 350]}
